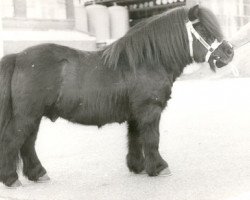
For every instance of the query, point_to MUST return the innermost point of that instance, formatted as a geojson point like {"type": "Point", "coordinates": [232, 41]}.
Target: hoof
{"type": "Point", "coordinates": [143, 172]}
{"type": "Point", "coordinates": [43, 178]}
{"type": "Point", "coordinates": [165, 172]}
{"type": "Point", "coordinates": [16, 184]}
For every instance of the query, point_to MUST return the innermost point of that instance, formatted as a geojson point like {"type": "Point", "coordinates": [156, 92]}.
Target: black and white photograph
{"type": "Point", "coordinates": [124, 99]}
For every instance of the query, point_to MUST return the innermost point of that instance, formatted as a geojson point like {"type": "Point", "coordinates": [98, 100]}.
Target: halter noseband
{"type": "Point", "coordinates": [191, 31]}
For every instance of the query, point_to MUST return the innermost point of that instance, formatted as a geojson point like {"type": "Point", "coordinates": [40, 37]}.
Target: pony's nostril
{"type": "Point", "coordinates": [229, 52]}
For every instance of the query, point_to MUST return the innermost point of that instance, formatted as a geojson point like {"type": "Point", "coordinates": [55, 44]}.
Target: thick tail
{"type": "Point", "coordinates": [7, 66]}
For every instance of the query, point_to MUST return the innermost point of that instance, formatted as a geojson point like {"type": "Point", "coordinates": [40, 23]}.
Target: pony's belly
{"type": "Point", "coordinates": [96, 113]}
{"type": "Point", "coordinates": [91, 117]}
{"type": "Point", "coordinates": [94, 104]}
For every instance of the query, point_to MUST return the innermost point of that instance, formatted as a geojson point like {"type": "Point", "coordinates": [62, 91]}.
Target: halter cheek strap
{"type": "Point", "coordinates": [189, 26]}
{"type": "Point", "coordinates": [191, 31]}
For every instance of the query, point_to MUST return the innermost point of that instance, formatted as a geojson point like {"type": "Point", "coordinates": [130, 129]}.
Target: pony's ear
{"type": "Point", "coordinates": [193, 13]}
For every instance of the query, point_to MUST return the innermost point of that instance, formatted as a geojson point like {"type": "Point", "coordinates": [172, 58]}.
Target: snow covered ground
{"type": "Point", "coordinates": [205, 137]}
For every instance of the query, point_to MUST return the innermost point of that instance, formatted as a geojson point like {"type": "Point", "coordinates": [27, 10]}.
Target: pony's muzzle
{"type": "Point", "coordinates": [223, 55]}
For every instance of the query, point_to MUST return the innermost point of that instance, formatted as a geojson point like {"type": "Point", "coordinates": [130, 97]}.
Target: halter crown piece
{"type": "Point", "coordinates": [191, 31]}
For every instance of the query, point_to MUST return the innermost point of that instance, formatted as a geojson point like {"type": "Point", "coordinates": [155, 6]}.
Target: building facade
{"type": "Point", "coordinates": [38, 14]}
{"type": "Point", "coordinates": [29, 22]}
{"type": "Point", "coordinates": [60, 15]}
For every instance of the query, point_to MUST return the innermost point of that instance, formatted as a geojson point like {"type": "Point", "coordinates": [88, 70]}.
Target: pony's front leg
{"type": "Point", "coordinates": [149, 130]}
{"type": "Point", "coordinates": [135, 158]}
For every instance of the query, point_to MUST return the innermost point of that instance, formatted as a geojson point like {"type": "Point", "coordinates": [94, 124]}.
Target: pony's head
{"type": "Point", "coordinates": [206, 40]}
{"type": "Point", "coordinates": [171, 40]}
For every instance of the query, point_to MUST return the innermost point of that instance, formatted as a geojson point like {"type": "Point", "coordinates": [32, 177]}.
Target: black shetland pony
{"type": "Point", "coordinates": [130, 80]}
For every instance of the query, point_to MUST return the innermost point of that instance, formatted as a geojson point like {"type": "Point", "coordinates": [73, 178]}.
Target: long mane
{"type": "Point", "coordinates": [158, 41]}
{"type": "Point", "coordinates": [208, 19]}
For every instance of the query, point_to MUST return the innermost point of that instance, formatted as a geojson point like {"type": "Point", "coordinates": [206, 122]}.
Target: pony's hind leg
{"type": "Point", "coordinates": [135, 158]}
{"type": "Point", "coordinates": [10, 144]}
{"type": "Point", "coordinates": [32, 167]}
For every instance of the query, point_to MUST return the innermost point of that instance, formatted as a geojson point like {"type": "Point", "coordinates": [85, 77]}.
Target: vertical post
{"type": "Point", "coordinates": [80, 15]}
{"type": "Point", "coordinates": [20, 9]}
{"type": "Point", "coordinates": [70, 9]}
{"type": "Point", "coordinates": [241, 13]}
{"type": "Point", "coordinates": [1, 30]}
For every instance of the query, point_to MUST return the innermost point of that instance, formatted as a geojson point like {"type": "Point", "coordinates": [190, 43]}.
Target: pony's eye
{"type": "Point", "coordinates": [205, 34]}
{"type": "Point", "coordinates": [202, 31]}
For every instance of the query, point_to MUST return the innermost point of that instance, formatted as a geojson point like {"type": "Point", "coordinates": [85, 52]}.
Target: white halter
{"type": "Point", "coordinates": [191, 31]}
